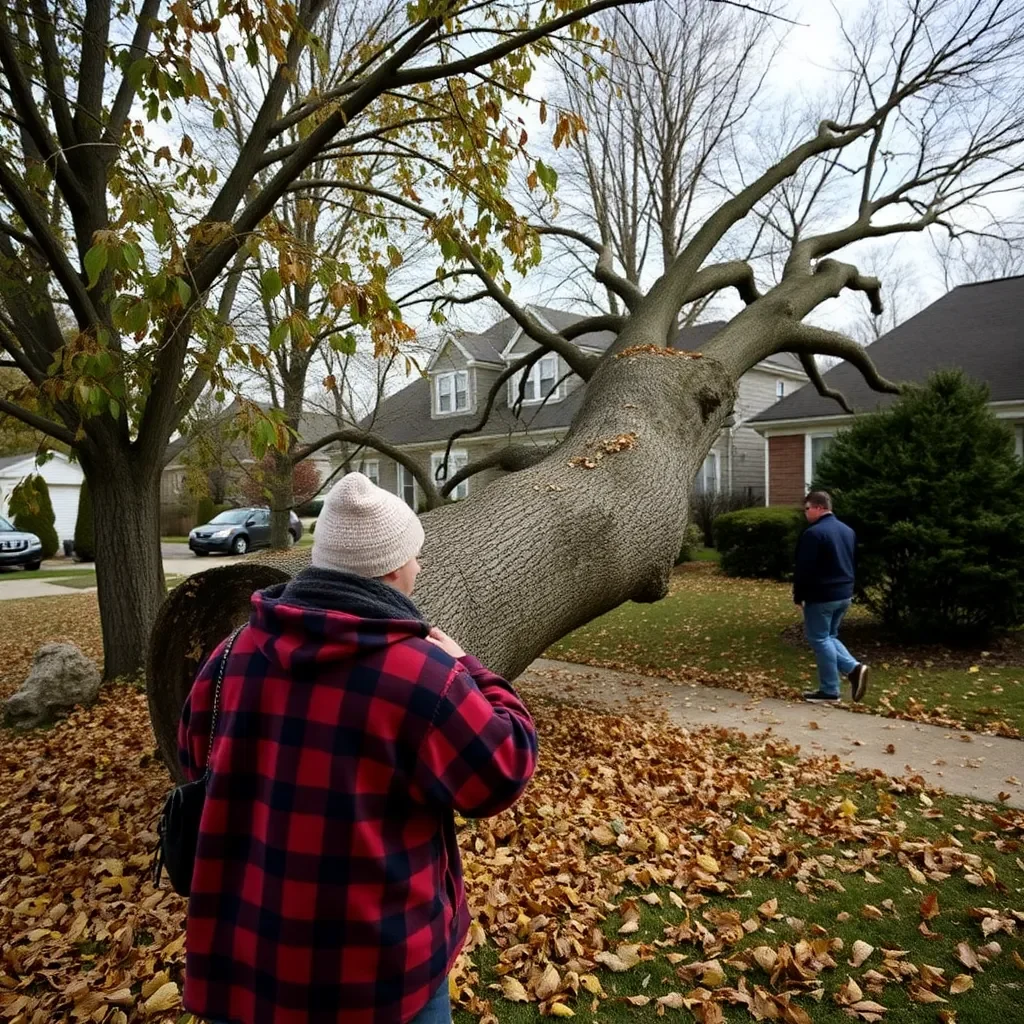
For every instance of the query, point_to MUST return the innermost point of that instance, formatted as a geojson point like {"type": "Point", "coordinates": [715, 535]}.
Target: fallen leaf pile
{"type": "Point", "coordinates": [626, 821]}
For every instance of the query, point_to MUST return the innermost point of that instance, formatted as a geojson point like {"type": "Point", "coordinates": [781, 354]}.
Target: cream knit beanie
{"type": "Point", "coordinates": [365, 530]}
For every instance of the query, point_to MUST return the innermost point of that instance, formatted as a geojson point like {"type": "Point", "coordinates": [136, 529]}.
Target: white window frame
{"type": "Point", "coordinates": [456, 461]}
{"type": "Point", "coordinates": [702, 475]}
{"type": "Point", "coordinates": [535, 379]}
{"type": "Point", "coordinates": [780, 388]}
{"type": "Point", "coordinates": [404, 476]}
{"type": "Point", "coordinates": [808, 467]}
{"type": "Point", "coordinates": [370, 468]}
{"type": "Point", "coordinates": [451, 379]}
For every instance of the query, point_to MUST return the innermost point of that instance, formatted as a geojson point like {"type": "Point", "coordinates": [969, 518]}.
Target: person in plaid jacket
{"type": "Point", "coordinates": [327, 883]}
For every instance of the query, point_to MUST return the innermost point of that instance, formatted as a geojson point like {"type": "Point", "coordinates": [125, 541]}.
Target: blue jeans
{"type": "Point", "coordinates": [437, 1011]}
{"type": "Point", "coordinates": [821, 627]}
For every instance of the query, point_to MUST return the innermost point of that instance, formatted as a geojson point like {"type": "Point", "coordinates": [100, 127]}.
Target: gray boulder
{"type": "Point", "coordinates": [61, 677]}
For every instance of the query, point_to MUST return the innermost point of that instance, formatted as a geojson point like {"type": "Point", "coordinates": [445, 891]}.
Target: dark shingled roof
{"type": "Point", "coordinates": [404, 417]}
{"type": "Point", "coordinates": [977, 328]}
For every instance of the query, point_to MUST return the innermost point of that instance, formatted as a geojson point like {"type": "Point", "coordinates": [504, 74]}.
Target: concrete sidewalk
{"type": "Point", "coordinates": [962, 763]}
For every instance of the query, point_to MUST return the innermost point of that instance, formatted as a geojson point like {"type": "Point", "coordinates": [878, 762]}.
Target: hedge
{"type": "Point", "coordinates": [759, 542]}
{"type": "Point", "coordinates": [32, 512]}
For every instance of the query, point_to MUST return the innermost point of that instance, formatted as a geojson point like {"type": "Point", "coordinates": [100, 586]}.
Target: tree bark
{"type": "Point", "coordinates": [282, 499]}
{"type": "Point", "coordinates": [533, 555]}
{"type": "Point", "coordinates": [129, 568]}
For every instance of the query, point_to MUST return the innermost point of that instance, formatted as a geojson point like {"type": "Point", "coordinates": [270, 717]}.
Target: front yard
{"type": "Point", "coordinates": [746, 634]}
{"type": "Point", "coordinates": [647, 871]}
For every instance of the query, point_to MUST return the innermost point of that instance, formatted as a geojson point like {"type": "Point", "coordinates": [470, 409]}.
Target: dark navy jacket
{"type": "Point", "coordinates": [825, 561]}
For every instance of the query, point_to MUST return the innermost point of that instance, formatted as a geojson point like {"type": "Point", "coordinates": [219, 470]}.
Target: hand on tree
{"type": "Point", "coordinates": [445, 642]}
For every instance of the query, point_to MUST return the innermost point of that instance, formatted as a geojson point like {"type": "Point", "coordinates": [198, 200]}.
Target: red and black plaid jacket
{"type": "Point", "coordinates": [328, 885]}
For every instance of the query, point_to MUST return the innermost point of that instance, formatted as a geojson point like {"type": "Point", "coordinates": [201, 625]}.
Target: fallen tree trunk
{"type": "Point", "coordinates": [532, 556]}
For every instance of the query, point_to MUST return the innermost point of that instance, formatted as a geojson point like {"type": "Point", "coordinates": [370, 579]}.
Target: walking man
{"type": "Point", "coordinates": [823, 587]}
{"type": "Point", "coordinates": [328, 886]}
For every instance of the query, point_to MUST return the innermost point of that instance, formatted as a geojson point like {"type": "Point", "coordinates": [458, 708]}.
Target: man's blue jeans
{"type": "Point", "coordinates": [821, 627]}
{"type": "Point", "coordinates": [437, 1011]}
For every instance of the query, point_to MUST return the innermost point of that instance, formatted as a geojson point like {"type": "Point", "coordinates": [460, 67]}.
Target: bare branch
{"type": "Point", "coordinates": [806, 339]}
{"type": "Point", "coordinates": [512, 459]}
{"type": "Point", "coordinates": [810, 366]}
{"type": "Point", "coordinates": [377, 443]}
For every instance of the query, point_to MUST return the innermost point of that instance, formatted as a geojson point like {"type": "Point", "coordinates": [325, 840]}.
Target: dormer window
{"type": "Point", "coordinates": [541, 383]}
{"type": "Point", "coordinates": [451, 391]}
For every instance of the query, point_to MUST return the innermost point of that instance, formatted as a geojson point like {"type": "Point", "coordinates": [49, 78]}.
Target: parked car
{"type": "Point", "coordinates": [239, 530]}
{"type": "Point", "coordinates": [19, 550]}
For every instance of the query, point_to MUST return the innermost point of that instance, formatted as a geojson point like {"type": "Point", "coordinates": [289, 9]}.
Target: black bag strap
{"type": "Point", "coordinates": [216, 699]}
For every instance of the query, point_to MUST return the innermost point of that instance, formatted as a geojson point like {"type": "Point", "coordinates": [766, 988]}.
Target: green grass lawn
{"type": "Point", "coordinates": [43, 574]}
{"type": "Point", "coordinates": [796, 861]}
{"type": "Point", "coordinates": [744, 633]}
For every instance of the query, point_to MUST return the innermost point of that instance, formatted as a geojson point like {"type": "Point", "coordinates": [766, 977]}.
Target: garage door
{"type": "Point", "coordinates": [64, 498]}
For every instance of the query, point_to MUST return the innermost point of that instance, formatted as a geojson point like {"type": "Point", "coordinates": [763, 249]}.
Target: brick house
{"type": "Point", "coordinates": [421, 416]}
{"type": "Point", "coordinates": [977, 328]}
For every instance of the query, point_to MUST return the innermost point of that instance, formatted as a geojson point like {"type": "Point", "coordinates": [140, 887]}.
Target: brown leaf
{"type": "Point", "coordinates": [513, 990]}
{"type": "Point", "coordinates": [769, 909]}
{"type": "Point", "coordinates": [164, 998]}
{"type": "Point", "coordinates": [548, 984]}
{"type": "Point", "coordinates": [920, 994]}
{"type": "Point", "coordinates": [930, 906]}
{"type": "Point", "coordinates": [637, 1000]}
{"type": "Point", "coordinates": [961, 983]}
{"type": "Point", "coordinates": [859, 952]}
{"type": "Point", "coordinates": [968, 957]}
{"type": "Point", "coordinates": [623, 959]}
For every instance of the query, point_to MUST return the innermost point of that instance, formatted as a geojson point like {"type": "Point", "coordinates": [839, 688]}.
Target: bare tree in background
{"type": "Point", "coordinates": [932, 123]}
{"type": "Point", "coordinates": [661, 115]}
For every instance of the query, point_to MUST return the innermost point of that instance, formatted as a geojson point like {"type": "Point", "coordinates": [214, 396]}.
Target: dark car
{"type": "Point", "coordinates": [239, 530]}
{"type": "Point", "coordinates": [19, 550]}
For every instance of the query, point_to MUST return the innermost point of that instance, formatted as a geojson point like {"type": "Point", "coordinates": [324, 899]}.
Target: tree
{"type": "Point", "coordinates": [304, 483]}
{"type": "Point", "coordinates": [85, 534]}
{"type": "Point", "coordinates": [935, 491]}
{"type": "Point", "coordinates": [32, 511]}
{"type": "Point", "coordinates": [115, 215]}
{"type": "Point", "coordinates": [931, 121]}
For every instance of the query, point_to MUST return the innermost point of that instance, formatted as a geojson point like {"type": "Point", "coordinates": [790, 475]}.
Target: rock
{"type": "Point", "coordinates": [61, 677]}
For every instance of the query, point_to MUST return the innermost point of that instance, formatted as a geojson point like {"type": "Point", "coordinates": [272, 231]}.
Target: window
{"type": "Point", "coordinates": [707, 476]}
{"type": "Point", "coordinates": [452, 391]}
{"type": "Point", "coordinates": [817, 445]}
{"type": "Point", "coordinates": [407, 487]}
{"type": "Point", "coordinates": [780, 389]}
{"type": "Point", "coordinates": [541, 383]}
{"type": "Point", "coordinates": [456, 461]}
{"type": "Point", "coordinates": [370, 468]}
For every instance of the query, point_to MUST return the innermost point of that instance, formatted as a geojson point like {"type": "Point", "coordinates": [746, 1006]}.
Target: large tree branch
{"type": "Point", "coordinates": [40, 423]}
{"type": "Point", "coordinates": [736, 274]}
{"type": "Point", "coordinates": [68, 277]}
{"type": "Point", "coordinates": [806, 339]}
{"type": "Point", "coordinates": [604, 274]}
{"type": "Point", "coordinates": [53, 72]}
{"type": "Point", "coordinates": [810, 366]}
{"type": "Point", "coordinates": [417, 76]}
{"type": "Point", "coordinates": [368, 439]}
{"type": "Point", "coordinates": [126, 90]}
{"type": "Point", "coordinates": [512, 459]}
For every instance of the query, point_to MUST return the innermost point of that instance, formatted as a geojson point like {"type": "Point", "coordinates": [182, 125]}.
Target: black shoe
{"type": "Point", "coordinates": [859, 678]}
{"type": "Point", "coordinates": [819, 697]}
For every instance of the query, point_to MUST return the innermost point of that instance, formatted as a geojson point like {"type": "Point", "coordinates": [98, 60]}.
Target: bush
{"type": "Point", "coordinates": [759, 542]}
{"type": "Point", "coordinates": [85, 538]}
{"type": "Point", "coordinates": [706, 508]}
{"type": "Point", "coordinates": [205, 510]}
{"type": "Point", "coordinates": [32, 511]}
{"type": "Point", "coordinates": [310, 508]}
{"type": "Point", "coordinates": [692, 539]}
{"type": "Point", "coordinates": [935, 492]}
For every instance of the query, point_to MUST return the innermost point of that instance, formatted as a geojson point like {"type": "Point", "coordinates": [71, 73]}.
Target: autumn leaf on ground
{"type": "Point", "coordinates": [968, 957]}
{"type": "Point", "coordinates": [961, 983]}
{"type": "Point", "coordinates": [859, 952]}
{"type": "Point", "coordinates": [623, 959]}
{"type": "Point", "coordinates": [513, 990]}
{"type": "Point", "coordinates": [930, 906]}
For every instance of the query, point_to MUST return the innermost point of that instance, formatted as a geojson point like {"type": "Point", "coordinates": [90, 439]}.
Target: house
{"type": "Point", "coordinates": [63, 478]}
{"type": "Point", "coordinates": [227, 462]}
{"type": "Point", "coordinates": [978, 328]}
{"type": "Point", "coordinates": [453, 391]}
